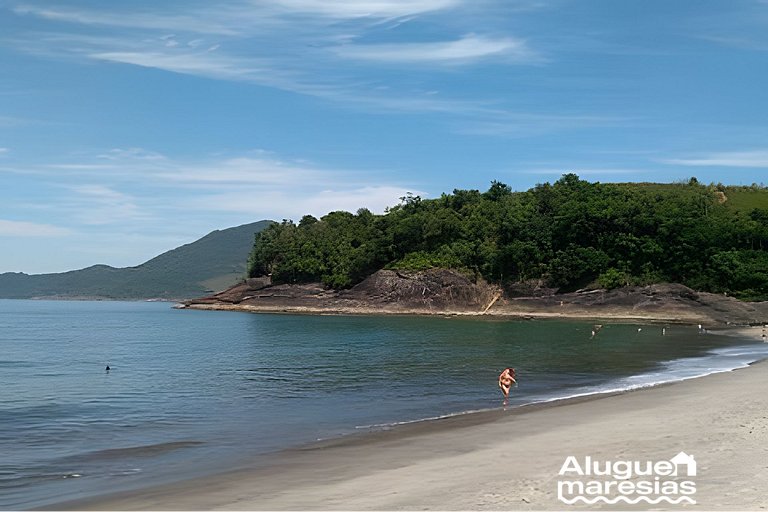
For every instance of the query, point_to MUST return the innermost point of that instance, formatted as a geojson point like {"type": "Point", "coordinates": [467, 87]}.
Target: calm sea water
{"type": "Point", "coordinates": [195, 392]}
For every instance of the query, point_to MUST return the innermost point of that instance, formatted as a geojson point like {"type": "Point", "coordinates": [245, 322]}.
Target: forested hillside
{"type": "Point", "coordinates": [569, 234]}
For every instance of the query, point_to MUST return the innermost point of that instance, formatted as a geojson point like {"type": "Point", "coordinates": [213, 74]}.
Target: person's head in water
{"type": "Point", "coordinates": [107, 368]}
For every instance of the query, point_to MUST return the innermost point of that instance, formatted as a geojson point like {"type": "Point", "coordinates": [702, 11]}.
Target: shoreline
{"type": "Point", "coordinates": [498, 313]}
{"type": "Point", "coordinates": [444, 292]}
{"type": "Point", "coordinates": [385, 469]}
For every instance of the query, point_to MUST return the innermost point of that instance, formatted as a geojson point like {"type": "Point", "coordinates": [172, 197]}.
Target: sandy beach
{"type": "Point", "coordinates": [507, 459]}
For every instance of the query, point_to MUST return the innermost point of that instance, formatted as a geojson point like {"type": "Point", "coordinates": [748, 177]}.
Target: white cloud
{"type": "Point", "coordinates": [97, 205]}
{"type": "Point", "coordinates": [257, 183]}
{"type": "Point", "coordinates": [283, 203]}
{"type": "Point", "coordinates": [218, 65]}
{"type": "Point", "coordinates": [154, 169]}
{"type": "Point", "coordinates": [757, 159]}
{"type": "Point", "coordinates": [199, 64]}
{"type": "Point", "coordinates": [131, 154]}
{"type": "Point", "coordinates": [106, 203]}
{"type": "Point", "coordinates": [4, 151]}
{"type": "Point", "coordinates": [231, 42]}
{"type": "Point", "coordinates": [81, 167]}
{"type": "Point", "coordinates": [250, 170]}
{"type": "Point", "coordinates": [200, 22]}
{"type": "Point", "coordinates": [238, 18]}
{"type": "Point", "coordinates": [100, 192]}
{"type": "Point", "coordinates": [30, 229]}
{"type": "Point", "coordinates": [221, 66]}
{"type": "Point", "coordinates": [467, 49]}
{"type": "Point", "coordinates": [518, 124]}
{"type": "Point", "coordinates": [347, 9]}
{"type": "Point", "coordinates": [375, 198]}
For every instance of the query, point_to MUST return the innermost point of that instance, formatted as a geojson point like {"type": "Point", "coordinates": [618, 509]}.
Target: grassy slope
{"type": "Point", "coordinates": [746, 199]}
{"type": "Point", "coordinates": [741, 198]}
{"type": "Point", "coordinates": [213, 262]}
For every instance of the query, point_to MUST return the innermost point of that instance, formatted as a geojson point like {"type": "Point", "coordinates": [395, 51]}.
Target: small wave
{"type": "Point", "coordinates": [126, 472]}
{"type": "Point", "coordinates": [133, 451]}
{"type": "Point", "coordinates": [721, 360]}
{"type": "Point", "coordinates": [421, 420]}
{"type": "Point", "coordinates": [16, 364]}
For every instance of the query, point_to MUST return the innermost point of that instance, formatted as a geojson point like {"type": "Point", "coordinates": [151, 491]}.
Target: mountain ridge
{"type": "Point", "coordinates": [213, 262]}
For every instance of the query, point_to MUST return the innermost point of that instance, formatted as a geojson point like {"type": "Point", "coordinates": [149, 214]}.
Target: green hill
{"type": "Point", "coordinates": [567, 235]}
{"type": "Point", "coordinates": [211, 263]}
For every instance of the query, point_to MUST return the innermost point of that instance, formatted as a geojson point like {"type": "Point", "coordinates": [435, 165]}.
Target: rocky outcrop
{"type": "Point", "coordinates": [440, 291]}
{"type": "Point", "coordinates": [436, 289]}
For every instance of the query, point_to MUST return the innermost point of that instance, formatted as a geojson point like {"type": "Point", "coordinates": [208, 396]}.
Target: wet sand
{"type": "Point", "coordinates": [507, 459]}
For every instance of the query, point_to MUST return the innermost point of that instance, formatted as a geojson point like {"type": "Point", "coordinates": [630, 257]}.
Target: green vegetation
{"type": "Point", "coordinates": [571, 234]}
{"type": "Point", "coordinates": [213, 262]}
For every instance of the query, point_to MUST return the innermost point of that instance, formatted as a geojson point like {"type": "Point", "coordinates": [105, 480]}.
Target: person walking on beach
{"type": "Point", "coordinates": [506, 379]}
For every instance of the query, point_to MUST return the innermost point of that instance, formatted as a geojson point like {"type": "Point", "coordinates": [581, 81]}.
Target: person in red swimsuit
{"type": "Point", "coordinates": [506, 379]}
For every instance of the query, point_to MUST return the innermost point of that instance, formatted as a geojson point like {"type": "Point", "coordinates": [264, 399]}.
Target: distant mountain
{"type": "Point", "coordinates": [209, 264]}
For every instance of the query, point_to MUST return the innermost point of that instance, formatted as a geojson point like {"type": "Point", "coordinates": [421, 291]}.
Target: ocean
{"type": "Point", "coordinates": [191, 393]}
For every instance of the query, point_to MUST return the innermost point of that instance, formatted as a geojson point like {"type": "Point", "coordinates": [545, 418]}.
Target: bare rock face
{"type": "Point", "coordinates": [236, 293]}
{"type": "Point", "coordinates": [427, 291]}
{"type": "Point", "coordinates": [430, 289]}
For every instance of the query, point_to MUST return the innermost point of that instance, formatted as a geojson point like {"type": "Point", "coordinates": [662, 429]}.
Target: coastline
{"type": "Point", "coordinates": [448, 293]}
{"type": "Point", "coordinates": [513, 313]}
{"type": "Point", "coordinates": [453, 463]}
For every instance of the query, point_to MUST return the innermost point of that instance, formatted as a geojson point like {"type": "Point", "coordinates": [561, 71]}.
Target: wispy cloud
{"type": "Point", "coordinates": [199, 22]}
{"type": "Point", "coordinates": [507, 124]}
{"type": "Point", "coordinates": [740, 42]}
{"type": "Point", "coordinates": [258, 183]}
{"type": "Point", "coordinates": [248, 170]}
{"type": "Point", "coordinates": [187, 63]}
{"type": "Point", "coordinates": [318, 55]}
{"type": "Point", "coordinates": [757, 158]}
{"type": "Point", "coordinates": [30, 229]}
{"type": "Point", "coordinates": [344, 9]}
{"type": "Point", "coordinates": [97, 205]}
{"type": "Point", "coordinates": [467, 49]}
{"type": "Point", "coordinates": [290, 73]}
{"type": "Point", "coordinates": [11, 122]}
{"type": "Point", "coordinates": [4, 151]}
{"type": "Point", "coordinates": [287, 204]}
{"type": "Point", "coordinates": [238, 18]}
{"type": "Point", "coordinates": [131, 154]}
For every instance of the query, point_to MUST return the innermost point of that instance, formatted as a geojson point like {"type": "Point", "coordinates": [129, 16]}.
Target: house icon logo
{"type": "Point", "coordinates": [685, 460]}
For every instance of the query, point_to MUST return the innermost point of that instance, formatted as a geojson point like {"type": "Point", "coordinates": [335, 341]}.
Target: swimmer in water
{"type": "Point", "coordinates": [506, 379]}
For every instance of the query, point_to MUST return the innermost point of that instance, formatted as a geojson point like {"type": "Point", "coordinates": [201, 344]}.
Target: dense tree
{"type": "Point", "coordinates": [570, 233]}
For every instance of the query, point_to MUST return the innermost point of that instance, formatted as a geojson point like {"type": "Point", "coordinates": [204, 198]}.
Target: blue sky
{"type": "Point", "coordinates": [129, 128]}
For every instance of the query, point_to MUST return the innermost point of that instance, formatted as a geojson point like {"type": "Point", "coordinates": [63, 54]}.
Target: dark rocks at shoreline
{"type": "Point", "coordinates": [440, 291]}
